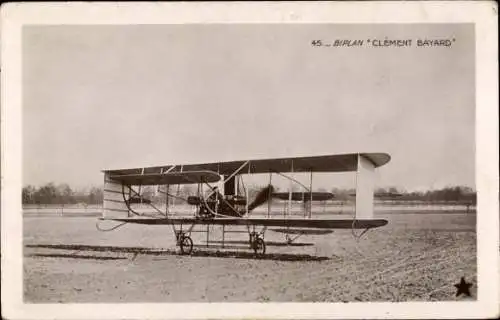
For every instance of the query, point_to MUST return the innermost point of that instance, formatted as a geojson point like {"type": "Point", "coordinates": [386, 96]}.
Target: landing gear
{"type": "Point", "coordinates": [253, 236]}
{"type": "Point", "coordinates": [259, 247]}
{"type": "Point", "coordinates": [257, 244]}
{"type": "Point", "coordinates": [185, 243]}
{"type": "Point", "coordinates": [289, 240]}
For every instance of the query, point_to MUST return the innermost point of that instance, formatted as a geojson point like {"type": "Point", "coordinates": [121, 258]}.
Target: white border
{"type": "Point", "coordinates": [483, 14]}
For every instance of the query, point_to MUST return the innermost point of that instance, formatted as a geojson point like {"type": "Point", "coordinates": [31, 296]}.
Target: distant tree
{"type": "Point", "coordinates": [396, 190]}
{"type": "Point", "coordinates": [450, 194]}
{"type": "Point", "coordinates": [64, 194]}
{"type": "Point", "coordinates": [95, 196]}
{"type": "Point", "coordinates": [46, 194]}
{"type": "Point", "coordinates": [447, 194]}
{"type": "Point", "coordinates": [28, 194]}
{"type": "Point", "coordinates": [381, 190]}
{"type": "Point", "coordinates": [80, 196]}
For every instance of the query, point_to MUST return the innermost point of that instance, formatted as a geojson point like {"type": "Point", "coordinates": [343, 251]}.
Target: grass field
{"type": "Point", "coordinates": [416, 257]}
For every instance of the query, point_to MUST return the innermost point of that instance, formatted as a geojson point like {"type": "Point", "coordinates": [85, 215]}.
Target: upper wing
{"type": "Point", "coordinates": [323, 163]}
{"type": "Point", "coordinates": [186, 177]}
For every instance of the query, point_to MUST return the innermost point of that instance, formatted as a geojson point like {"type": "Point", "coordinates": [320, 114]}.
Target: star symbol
{"type": "Point", "coordinates": [463, 287]}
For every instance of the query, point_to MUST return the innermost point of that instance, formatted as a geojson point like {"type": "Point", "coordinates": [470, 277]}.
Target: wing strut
{"type": "Point", "coordinates": [238, 170]}
{"type": "Point", "coordinates": [270, 195]}
{"type": "Point", "coordinates": [310, 196]}
{"type": "Point", "coordinates": [290, 193]}
{"type": "Point", "coordinates": [246, 193]}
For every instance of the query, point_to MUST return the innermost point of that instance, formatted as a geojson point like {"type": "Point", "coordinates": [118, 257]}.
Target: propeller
{"type": "Point", "coordinates": [262, 197]}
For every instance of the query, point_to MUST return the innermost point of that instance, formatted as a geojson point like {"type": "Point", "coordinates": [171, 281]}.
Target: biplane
{"type": "Point", "coordinates": [220, 200]}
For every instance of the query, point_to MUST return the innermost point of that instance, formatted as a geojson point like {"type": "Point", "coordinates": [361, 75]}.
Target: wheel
{"type": "Point", "coordinates": [259, 247]}
{"type": "Point", "coordinates": [186, 245]}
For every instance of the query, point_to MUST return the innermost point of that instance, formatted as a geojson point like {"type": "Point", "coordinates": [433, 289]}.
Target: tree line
{"type": "Point", "coordinates": [459, 194]}
{"type": "Point", "coordinates": [456, 194]}
{"type": "Point", "coordinates": [52, 193]}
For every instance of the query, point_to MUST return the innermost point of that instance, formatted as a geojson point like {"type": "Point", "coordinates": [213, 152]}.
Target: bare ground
{"type": "Point", "coordinates": [416, 257]}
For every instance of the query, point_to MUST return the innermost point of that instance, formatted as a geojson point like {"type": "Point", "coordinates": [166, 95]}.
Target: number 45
{"type": "Point", "coordinates": [316, 43]}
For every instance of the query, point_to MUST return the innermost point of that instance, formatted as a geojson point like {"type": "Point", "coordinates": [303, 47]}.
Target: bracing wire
{"type": "Point", "coordinates": [292, 179]}
{"type": "Point", "coordinates": [173, 196]}
{"type": "Point", "coordinates": [215, 213]}
{"type": "Point", "coordinates": [243, 186]}
{"type": "Point", "coordinates": [356, 236]}
{"type": "Point", "coordinates": [110, 229]}
{"type": "Point", "coordinates": [138, 213]}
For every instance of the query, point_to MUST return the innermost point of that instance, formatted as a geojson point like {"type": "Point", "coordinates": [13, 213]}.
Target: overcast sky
{"type": "Point", "coordinates": [107, 97]}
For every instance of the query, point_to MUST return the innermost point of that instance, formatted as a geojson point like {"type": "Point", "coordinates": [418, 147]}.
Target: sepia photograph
{"type": "Point", "coordinates": [248, 162]}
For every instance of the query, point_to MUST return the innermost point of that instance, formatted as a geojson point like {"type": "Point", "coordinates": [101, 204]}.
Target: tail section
{"type": "Point", "coordinates": [364, 188]}
{"type": "Point", "coordinates": [114, 205]}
